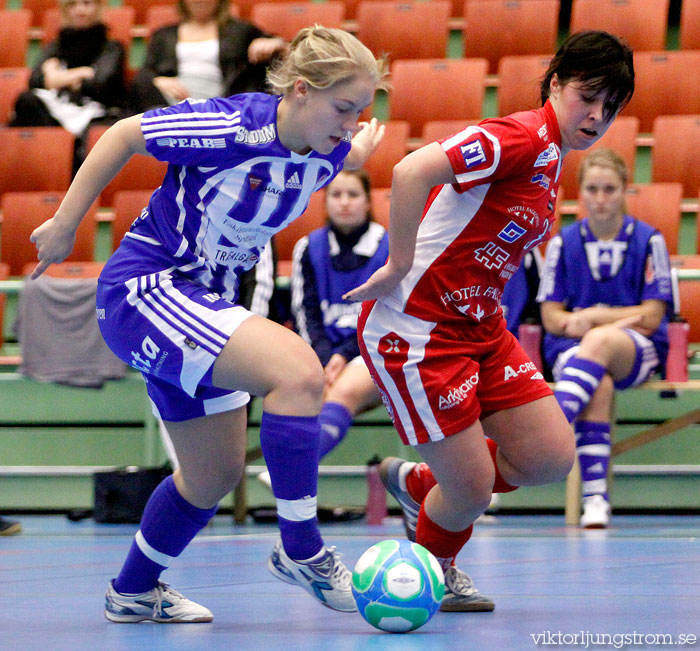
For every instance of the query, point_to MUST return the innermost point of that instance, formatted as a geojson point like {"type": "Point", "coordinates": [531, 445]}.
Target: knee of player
{"type": "Point", "coordinates": [344, 394]}
{"type": "Point", "coordinates": [554, 462]}
{"type": "Point", "coordinates": [224, 482]}
{"type": "Point", "coordinates": [561, 459]}
{"type": "Point", "coordinates": [476, 490]}
{"type": "Point", "coordinates": [207, 491]}
{"type": "Point", "coordinates": [482, 498]}
{"type": "Point", "coordinates": [305, 378]}
{"type": "Point", "coordinates": [600, 343]}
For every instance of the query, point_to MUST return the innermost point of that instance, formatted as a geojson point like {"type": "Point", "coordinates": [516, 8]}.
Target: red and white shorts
{"type": "Point", "coordinates": [437, 379]}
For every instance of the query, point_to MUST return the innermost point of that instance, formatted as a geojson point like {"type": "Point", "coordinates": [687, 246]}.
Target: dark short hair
{"type": "Point", "coordinates": [600, 61]}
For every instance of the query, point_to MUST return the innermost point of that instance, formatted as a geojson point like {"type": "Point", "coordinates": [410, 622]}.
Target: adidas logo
{"type": "Point", "coordinates": [293, 182]}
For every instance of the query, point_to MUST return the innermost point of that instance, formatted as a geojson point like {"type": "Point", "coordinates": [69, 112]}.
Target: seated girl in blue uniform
{"type": "Point", "coordinates": [328, 263]}
{"type": "Point", "coordinates": [605, 299]}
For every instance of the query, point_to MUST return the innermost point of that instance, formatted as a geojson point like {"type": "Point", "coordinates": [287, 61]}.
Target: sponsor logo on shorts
{"type": "Point", "coordinates": [456, 395]}
{"type": "Point", "coordinates": [146, 360]}
{"type": "Point", "coordinates": [100, 312]}
{"type": "Point", "coordinates": [527, 367]}
{"type": "Point", "coordinates": [393, 345]}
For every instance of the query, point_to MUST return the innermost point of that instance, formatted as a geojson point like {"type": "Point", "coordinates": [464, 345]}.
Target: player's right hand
{"type": "Point", "coordinates": [382, 282]}
{"type": "Point", "coordinates": [54, 242]}
{"type": "Point", "coordinates": [171, 87]}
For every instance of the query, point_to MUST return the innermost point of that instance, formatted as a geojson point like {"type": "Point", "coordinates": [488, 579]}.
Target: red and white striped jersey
{"type": "Point", "coordinates": [474, 232]}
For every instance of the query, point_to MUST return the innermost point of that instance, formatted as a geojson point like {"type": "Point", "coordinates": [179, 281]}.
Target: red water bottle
{"type": "Point", "coordinates": [677, 361]}
{"type": "Point", "coordinates": [530, 338]}
{"type": "Point", "coordinates": [376, 510]}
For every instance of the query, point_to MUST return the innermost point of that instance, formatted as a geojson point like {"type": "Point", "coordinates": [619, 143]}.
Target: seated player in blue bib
{"type": "Point", "coordinates": [240, 169]}
{"type": "Point", "coordinates": [328, 263]}
{"type": "Point", "coordinates": [605, 301]}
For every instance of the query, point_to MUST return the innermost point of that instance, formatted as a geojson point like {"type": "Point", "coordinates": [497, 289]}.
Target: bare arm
{"type": "Point", "coordinates": [54, 239]}
{"type": "Point", "coordinates": [558, 321]}
{"type": "Point", "coordinates": [413, 179]}
{"type": "Point", "coordinates": [554, 316]}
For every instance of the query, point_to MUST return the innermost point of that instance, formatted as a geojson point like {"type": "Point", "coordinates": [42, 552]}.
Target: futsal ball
{"type": "Point", "coordinates": [398, 585]}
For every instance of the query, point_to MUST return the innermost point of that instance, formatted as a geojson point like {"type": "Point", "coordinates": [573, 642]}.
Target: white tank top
{"type": "Point", "coordinates": [198, 68]}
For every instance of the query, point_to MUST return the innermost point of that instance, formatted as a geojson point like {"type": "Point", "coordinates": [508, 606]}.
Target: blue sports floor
{"type": "Point", "coordinates": [636, 585]}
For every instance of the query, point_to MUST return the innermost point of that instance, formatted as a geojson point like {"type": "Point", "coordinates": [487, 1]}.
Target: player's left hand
{"type": "Point", "coordinates": [262, 49]}
{"type": "Point", "coordinates": [366, 140]}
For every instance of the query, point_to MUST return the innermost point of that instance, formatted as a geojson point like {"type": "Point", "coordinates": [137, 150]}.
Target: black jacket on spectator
{"type": "Point", "coordinates": [88, 47]}
{"type": "Point", "coordinates": [239, 76]}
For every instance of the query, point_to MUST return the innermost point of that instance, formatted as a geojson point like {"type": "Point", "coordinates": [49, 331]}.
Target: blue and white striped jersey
{"type": "Point", "coordinates": [582, 271]}
{"type": "Point", "coordinates": [230, 186]}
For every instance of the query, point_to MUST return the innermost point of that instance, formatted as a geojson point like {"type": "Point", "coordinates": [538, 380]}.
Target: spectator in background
{"type": "Point", "coordinates": [519, 296]}
{"type": "Point", "coordinates": [605, 299]}
{"type": "Point", "coordinates": [327, 263]}
{"type": "Point", "coordinates": [256, 288]}
{"type": "Point", "coordinates": [79, 79]}
{"type": "Point", "coordinates": [207, 54]}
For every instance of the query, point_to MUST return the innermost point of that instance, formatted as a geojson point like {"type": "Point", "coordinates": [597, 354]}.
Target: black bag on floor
{"type": "Point", "coordinates": [121, 495]}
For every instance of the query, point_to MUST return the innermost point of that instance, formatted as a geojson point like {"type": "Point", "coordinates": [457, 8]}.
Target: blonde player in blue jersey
{"type": "Point", "coordinates": [240, 169]}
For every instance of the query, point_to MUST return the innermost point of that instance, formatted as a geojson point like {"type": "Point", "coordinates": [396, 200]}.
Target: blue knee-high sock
{"type": "Point", "coordinates": [168, 524]}
{"type": "Point", "coordinates": [593, 449]}
{"type": "Point", "coordinates": [335, 420]}
{"type": "Point", "coordinates": [290, 447]}
{"type": "Point", "coordinates": [576, 385]}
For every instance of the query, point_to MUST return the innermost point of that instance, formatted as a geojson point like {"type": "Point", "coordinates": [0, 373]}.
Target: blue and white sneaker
{"type": "Point", "coordinates": [393, 473]}
{"type": "Point", "coordinates": [326, 578]}
{"type": "Point", "coordinates": [163, 604]}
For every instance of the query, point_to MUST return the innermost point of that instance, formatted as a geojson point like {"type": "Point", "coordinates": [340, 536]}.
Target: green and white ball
{"type": "Point", "coordinates": [398, 585]}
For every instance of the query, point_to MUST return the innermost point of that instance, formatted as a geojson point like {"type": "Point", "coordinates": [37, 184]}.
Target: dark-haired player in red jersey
{"type": "Point", "coordinates": [464, 211]}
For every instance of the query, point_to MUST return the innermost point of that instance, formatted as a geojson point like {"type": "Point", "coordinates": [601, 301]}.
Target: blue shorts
{"type": "Point", "coordinates": [645, 364]}
{"type": "Point", "coordinates": [172, 330]}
